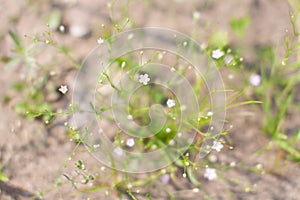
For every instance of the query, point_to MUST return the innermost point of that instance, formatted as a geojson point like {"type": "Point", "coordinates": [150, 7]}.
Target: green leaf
{"type": "Point", "coordinates": [19, 86]}
{"type": "Point", "coordinates": [131, 195]}
{"type": "Point", "coordinates": [54, 19]}
{"type": "Point", "coordinates": [93, 189]}
{"type": "Point", "coordinates": [16, 40]}
{"type": "Point", "coordinates": [296, 136]}
{"type": "Point", "coordinates": [14, 61]}
{"type": "Point", "coordinates": [3, 177]}
{"type": "Point", "coordinates": [192, 177]}
{"type": "Point", "coordinates": [219, 39]}
{"type": "Point", "coordinates": [239, 25]}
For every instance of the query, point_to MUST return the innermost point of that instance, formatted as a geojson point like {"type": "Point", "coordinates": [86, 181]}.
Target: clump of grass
{"type": "Point", "coordinates": [280, 77]}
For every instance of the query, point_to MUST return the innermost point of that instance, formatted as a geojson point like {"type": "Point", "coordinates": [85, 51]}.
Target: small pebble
{"type": "Point", "coordinates": [79, 31]}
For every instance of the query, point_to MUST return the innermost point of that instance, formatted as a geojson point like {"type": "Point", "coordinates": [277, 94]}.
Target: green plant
{"type": "Point", "coordinates": [30, 97]}
{"type": "Point", "coordinates": [3, 177]}
{"type": "Point", "coordinates": [280, 78]}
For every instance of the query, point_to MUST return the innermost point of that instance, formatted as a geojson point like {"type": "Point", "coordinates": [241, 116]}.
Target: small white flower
{"type": "Point", "coordinates": [255, 79]}
{"type": "Point", "coordinates": [123, 64]}
{"type": "Point", "coordinates": [160, 56]}
{"type": "Point", "coordinates": [130, 36]}
{"type": "Point", "coordinates": [171, 103]}
{"type": "Point", "coordinates": [63, 89]}
{"type": "Point", "coordinates": [210, 113]}
{"type": "Point", "coordinates": [230, 76]}
{"type": "Point", "coordinates": [96, 146]}
{"type": "Point", "coordinates": [196, 190]}
{"type": "Point", "coordinates": [173, 69]}
{"type": "Point", "coordinates": [130, 142]}
{"type": "Point", "coordinates": [168, 130]}
{"type": "Point", "coordinates": [213, 158]}
{"type": "Point", "coordinates": [165, 178]}
{"type": "Point", "coordinates": [172, 142]}
{"type": "Point", "coordinates": [144, 79]}
{"type": "Point", "coordinates": [233, 164]}
{"type": "Point", "coordinates": [210, 174]}
{"type": "Point", "coordinates": [129, 117]}
{"type": "Point", "coordinates": [61, 28]}
{"type": "Point", "coordinates": [217, 146]}
{"type": "Point", "coordinates": [100, 40]}
{"type": "Point", "coordinates": [196, 15]}
{"type": "Point", "coordinates": [184, 175]}
{"type": "Point", "coordinates": [217, 53]}
{"type": "Point", "coordinates": [153, 147]}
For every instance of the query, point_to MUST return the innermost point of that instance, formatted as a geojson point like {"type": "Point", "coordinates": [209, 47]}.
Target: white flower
{"type": "Point", "coordinates": [130, 142]}
{"type": "Point", "coordinates": [213, 158]}
{"type": "Point", "coordinates": [168, 130]}
{"type": "Point", "coordinates": [160, 56]}
{"type": "Point", "coordinates": [217, 53]}
{"type": "Point", "coordinates": [172, 142]}
{"type": "Point", "coordinates": [165, 178]}
{"type": "Point", "coordinates": [217, 146]}
{"type": "Point", "coordinates": [144, 79]}
{"type": "Point", "coordinates": [100, 40]}
{"type": "Point", "coordinates": [96, 146]}
{"type": "Point", "coordinates": [173, 69]}
{"type": "Point", "coordinates": [171, 103]}
{"type": "Point", "coordinates": [230, 76]}
{"type": "Point", "coordinates": [255, 79]}
{"type": "Point", "coordinates": [233, 164]}
{"type": "Point", "coordinates": [130, 36]}
{"type": "Point", "coordinates": [61, 28]}
{"type": "Point", "coordinates": [63, 89]}
{"type": "Point", "coordinates": [210, 113]}
{"type": "Point", "coordinates": [196, 190]}
{"type": "Point", "coordinates": [123, 64]}
{"type": "Point", "coordinates": [210, 174]}
{"type": "Point", "coordinates": [196, 15]}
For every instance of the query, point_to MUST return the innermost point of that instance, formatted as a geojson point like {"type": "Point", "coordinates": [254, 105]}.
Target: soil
{"type": "Point", "coordinates": [33, 155]}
